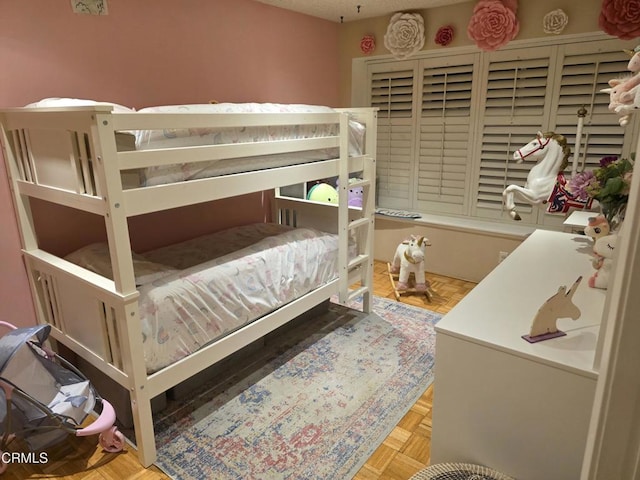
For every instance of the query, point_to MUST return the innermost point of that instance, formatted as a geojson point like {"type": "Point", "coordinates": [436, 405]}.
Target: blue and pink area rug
{"type": "Point", "coordinates": [315, 405]}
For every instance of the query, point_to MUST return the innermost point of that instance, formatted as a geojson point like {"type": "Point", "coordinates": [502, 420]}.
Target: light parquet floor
{"type": "Point", "coordinates": [405, 451]}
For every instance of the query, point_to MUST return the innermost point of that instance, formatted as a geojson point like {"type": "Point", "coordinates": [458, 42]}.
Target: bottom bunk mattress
{"type": "Point", "coordinates": [202, 289]}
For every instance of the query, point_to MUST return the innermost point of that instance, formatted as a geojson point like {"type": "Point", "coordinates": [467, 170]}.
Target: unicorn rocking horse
{"type": "Point", "coordinates": [410, 258]}
{"type": "Point", "coordinates": [546, 181]}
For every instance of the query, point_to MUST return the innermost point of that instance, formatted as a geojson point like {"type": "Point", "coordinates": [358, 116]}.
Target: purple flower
{"type": "Point", "coordinates": [604, 161]}
{"type": "Point", "coordinates": [580, 182]}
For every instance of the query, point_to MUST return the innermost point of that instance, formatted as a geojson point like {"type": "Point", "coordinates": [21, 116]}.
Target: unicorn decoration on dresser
{"type": "Point", "coordinates": [546, 182]}
{"type": "Point", "coordinates": [560, 305]}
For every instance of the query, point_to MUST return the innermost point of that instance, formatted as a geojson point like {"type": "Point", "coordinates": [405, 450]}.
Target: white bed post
{"type": "Point", "coordinates": [368, 205]}
{"type": "Point", "coordinates": [22, 206]}
{"type": "Point", "coordinates": [343, 210]}
{"type": "Point", "coordinates": [110, 184]}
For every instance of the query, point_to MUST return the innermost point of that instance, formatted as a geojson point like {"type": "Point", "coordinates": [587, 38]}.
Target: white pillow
{"type": "Point", "coordinates": [95, 257]}
{"type": "Point", "coordinates": [76, 102]}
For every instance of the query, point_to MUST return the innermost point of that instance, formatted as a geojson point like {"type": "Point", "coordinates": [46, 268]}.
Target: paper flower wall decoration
{"type": "Point", "coordinates": [493, 24]}
{"type": "Point", "coordinates": [555, 21]}
{"type": "Point", "coordinates": [367, 44]}
{"type": "Point", "coordinates": [620, 18]}
{"type": "Point", "coordinates": [444, 35]}
{"type": "Point", "coordinates": [511, 5]}
{"type": "Point", "coordinates": [405, 34]}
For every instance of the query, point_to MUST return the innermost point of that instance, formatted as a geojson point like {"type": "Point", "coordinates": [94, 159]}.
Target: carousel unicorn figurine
{"type": "Point", "coordinates": [545, 181]}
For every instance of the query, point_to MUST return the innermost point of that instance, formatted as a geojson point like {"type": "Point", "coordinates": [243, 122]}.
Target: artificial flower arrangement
{"type": "Point", "coordinates": [609, 184]}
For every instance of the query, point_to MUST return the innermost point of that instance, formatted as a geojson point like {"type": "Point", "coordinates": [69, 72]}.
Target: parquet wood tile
{"type": "Point", "coordinates": [405, 451]}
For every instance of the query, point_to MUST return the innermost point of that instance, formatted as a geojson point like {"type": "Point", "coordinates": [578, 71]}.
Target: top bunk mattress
{"type": "Point", "coordinates": [178, 138]}
{"type": "Point", "coordinates": [181, 138]}
{"type": "Point", "coordinates": [200, 290]}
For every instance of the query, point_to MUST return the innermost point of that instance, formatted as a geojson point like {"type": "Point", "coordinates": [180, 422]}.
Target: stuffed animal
{"type": "Point", "coordinates": [409, 257]}
{"type": "Point", "coordinates": [596, 228]}
{"type": "Point", "coordinates": [323, 192]}
{"type": "Point", "coordinates": [634, 62]}
{"type": "Point", "coordinates": [354, 195]}
{"type": "Point", "coordinates": [604, 249]}
{"type": "Point", "coordinates": [624, 94]}
{"type": "Point", "coordinates": [628, 105]}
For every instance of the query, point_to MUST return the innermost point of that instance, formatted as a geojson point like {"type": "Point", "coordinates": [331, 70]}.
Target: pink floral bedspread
{"type": "Point", "coordinates": [184, 311]}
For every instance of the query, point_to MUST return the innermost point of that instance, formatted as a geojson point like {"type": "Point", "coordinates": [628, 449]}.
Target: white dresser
{"type": "Point", "coordinates": [500, 401]}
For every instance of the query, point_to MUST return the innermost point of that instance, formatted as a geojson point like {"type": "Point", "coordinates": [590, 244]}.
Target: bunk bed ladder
{"type": "Point", "coordinates": [357, 271]}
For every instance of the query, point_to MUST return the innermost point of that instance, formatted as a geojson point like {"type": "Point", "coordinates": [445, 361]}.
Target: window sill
{"type": "Point", "coordinates": [469, 225]}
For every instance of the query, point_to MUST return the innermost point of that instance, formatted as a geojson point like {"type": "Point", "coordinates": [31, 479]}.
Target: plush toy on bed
{"type": "Point", "coordinates": [323, 192]}
{"type": "Point", "coordinates": [603, 249]}
{"type": "Point", "coordinates": [409, 257]}
{"type": "Point", "coordinates": [354, 195]}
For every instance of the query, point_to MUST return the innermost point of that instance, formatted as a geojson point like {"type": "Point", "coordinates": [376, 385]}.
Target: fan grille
{"type": "Point", "coordinates": [459, 471]}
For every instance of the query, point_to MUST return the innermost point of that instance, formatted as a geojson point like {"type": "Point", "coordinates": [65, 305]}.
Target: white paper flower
{"type": "Point", "coordinates": [405, 34]}
{"type": "Point", "coordinates": [555, 21]}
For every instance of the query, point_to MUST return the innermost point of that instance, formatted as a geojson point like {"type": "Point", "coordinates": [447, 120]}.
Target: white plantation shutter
{"type": "Point", "coordinates": [392, 91]}
{"type": "Point", "coordinates": [516, 107]}
{"type": "Point", "coordinates": [445, 129]}
{"type": "Point", "coordinates": [449, 124]}
{"type": "Point", "coordinates": [581, 77]}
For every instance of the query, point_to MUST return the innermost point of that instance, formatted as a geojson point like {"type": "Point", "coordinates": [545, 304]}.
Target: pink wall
{"type": "Point", "coordinates": [152, 52]}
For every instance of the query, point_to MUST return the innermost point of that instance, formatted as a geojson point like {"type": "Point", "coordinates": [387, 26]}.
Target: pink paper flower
{"type": "Point", "coordinates": [444, 35]}
{"type": "Point", "coordinates": [492, 24]}
{"type": "Point", "coordinates": [511, 5]}
{"type": "Point", "coordinates": [620, 18]}
{"type": "Point", "coordinates": [367, 44]}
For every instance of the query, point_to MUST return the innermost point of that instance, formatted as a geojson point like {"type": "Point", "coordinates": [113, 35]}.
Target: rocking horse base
{"type": "Point", "coordinates": [544, 336]}
{"type": "Point", "coordinates": [393, 278]}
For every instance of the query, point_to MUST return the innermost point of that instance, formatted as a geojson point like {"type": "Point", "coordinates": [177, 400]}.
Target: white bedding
{"type": "Point", "coordinates": [177, 138]}
{"type": "Point", "coordinates": [155, 139]}
{"type": "Point", "coordinates": [198, 301]}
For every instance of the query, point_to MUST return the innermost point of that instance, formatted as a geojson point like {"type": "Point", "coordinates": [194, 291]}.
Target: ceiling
{"type": "Point", "coordinates": [348, 9]}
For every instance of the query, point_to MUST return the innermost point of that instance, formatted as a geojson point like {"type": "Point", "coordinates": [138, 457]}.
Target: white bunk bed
{"type": "Point", "coordinates": [73, 156]}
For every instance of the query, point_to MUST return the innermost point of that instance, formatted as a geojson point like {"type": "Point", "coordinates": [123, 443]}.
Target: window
{"type": "Point", "coordinates": [392, 91]}
{"type": "Point", "coordinates": [445, 128]}
{"type": "Point", "coordinates": [448, 125]}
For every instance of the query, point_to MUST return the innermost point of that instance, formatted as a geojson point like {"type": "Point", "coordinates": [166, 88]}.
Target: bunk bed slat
{"type": "Point", "coordinates": [62, 197]}
{"type": "Point", "coordinates": [163, 121]}
{"type": "Point", "coordinates": [149, 158]}
{"type": "Point", "coordinates": [161, 197]}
